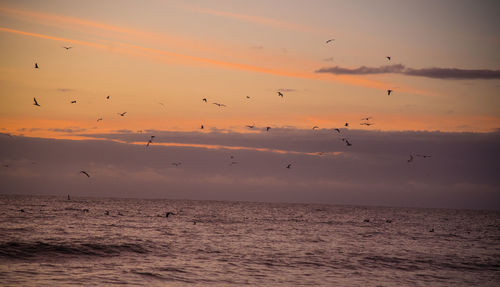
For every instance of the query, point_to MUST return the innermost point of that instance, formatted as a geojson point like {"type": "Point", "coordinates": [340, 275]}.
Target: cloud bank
{"type": "Point", "coordinates": [435, 73]}
{"type": "Point", "coordinates": [461, 172]}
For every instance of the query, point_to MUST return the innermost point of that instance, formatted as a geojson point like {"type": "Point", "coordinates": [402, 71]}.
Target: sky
{"type": "Point", "coordinates": [433, 142]}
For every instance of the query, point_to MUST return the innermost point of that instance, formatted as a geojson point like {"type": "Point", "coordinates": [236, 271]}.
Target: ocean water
{"type": "Point", "coordinates": [60, 242]}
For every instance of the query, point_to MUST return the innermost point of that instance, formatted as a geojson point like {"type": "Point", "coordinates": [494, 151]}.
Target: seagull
{"type": "Point", "coordinates": [36, 103]}
{"type": "Point", "coordinates": [329, 40]}
{"type": "Point", "coordinates": [99, 119]}
{"type": "Point", "coordinates": [366, 119]}
{"type": "Point", "coordinates": [122, 114]}
{"type": "Point", "coordinates": [252, 126]}
{"type": "Point", "coordinates": [67, 48]}
{"type": "Point", "coordinates": [280, 94]}
{"type": "Point", "coordinates": [73, 102]}
{"type": "Point", "coordinates": [366, 124]}
{"type": "Point", "coordinates": [84, 172]}
{"type": "Point", "coordinates": [204, 99]}
{"type": "Point", "coordinates": [36, 65]}
{"type": "Point", "coordinates": [388, 58]}
{"type": "Point", "coordinates": [289, 165]}
{"type": "Point", "coordinates": [410, 159]}
{"type": "Point", "coordinates": [268, 128]}
{"type": "Point", "coordinates": [389, 92]}
{"type": "Point", "coordinates": [315, 127]}
{"type": "Point", "coordinates": [346, 125]}
{"type": "Point", "coordinates": [338, 130]}
{"type": "Point", "coordinates": [219, 105]}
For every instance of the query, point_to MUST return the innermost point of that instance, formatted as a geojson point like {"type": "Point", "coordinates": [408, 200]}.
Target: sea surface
{"type": "Point", "coordinates": [53, 241]}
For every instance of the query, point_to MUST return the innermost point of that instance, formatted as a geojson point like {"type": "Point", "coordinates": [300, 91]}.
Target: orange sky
{"type": "Point", "coordinates": [158, 72]}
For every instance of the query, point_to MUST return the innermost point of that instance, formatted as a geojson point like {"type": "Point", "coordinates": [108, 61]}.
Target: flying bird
{"type": "Point", "coordinates": [388, 58]}
{"type": "Point", "coordinates": [410, 159]}
{"type": "Point", "coordinates": [315, 127]}
{"type": "Point", "coordinates": [84, 172]}
{"type": "Point", "coordinates": [337, 130]}
{"type": "Point", "coordinates": [348, 143]}
{"type": "Point", "coordinates": [329, 40]}
{"type": "Point", "coordinates": [389, 92]}
{"type": "Point", "coordinates": [150, 141]}
{"type": "Point", "coordinates": [122, 114]}
{"type": "Point", "coordinates": [289, 165]}
{"type": "Point", "coordinates": [36, 103]}
{"type": "Point", "coordinates": [73, 102]}
{"type": "Point", "coordinates": [346, 124]}
{"type": "Point", "coordinates": [67, 48]}
{"type": "Point", "coordinates": [107, 97]}
{"type": "Point", "coordinates": [248, 97]}
{"type": "Point", "coordinates": [268, 128]}
{"type": "Point", "coordinates": [219, 105]}
{"type": "Point", "coordinates": [280, 94]}
{"type": "Point", "coordinates": [366, 119]}
{"type": "Point", "coordinates": [202, 127]}
{"type": "Point", "coordinates": [99, 119]}
{"type": "Point", "coordinates": [36, 65]}
{"type": "Point", "coordinates": [251, 126]}
{"type": "Point", "coordinates": [366, 124]}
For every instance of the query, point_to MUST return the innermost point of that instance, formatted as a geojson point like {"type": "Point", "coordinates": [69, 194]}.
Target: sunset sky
{"type": "Point", "coordinates": [157, 60]}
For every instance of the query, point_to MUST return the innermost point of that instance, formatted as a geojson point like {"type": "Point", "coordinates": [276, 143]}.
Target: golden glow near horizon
{"type": "Point", "coordinates": [158, 64]}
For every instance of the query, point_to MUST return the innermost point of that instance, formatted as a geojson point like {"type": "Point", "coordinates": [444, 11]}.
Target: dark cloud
{"type": "Point", "coordinates": [68, 130]}
{"type": "Point", "coordinates": [461, 172]}
{"type": "Point", "coordinates": [435, 73]}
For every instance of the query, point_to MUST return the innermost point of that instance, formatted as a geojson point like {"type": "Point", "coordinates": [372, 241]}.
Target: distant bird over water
{"type": "Point", "coordinates": [410, 159]}
{"type": "Point", "coordinates": [84, 172]}
{"type": "Point", "coordinates": [99, 119]}
{"type": "Point", "coordinates": [36, 65]}
{"type": "Point", "coordinates": [73, 102]}
{"type": "Point", "coordinates": [329, 40]}
{"type": "Point", "coordinates": [202, 127]}
{"type": "Point", "coordinates": [204, 99]}
{"type": "Point", "coordinates": [219, 105]}
{"type": "Point", "coordinates": [289, 166]}
{"type": "Point", "coordinates": [337, 130]}
{"type": "Point", "coordinates": [150, 141]}
{"type": "Point", "coordinates": [122, 114]}
{"type": "Point", "coordinates": [366, 124]}
{"type": "Point", "coordinates": [388, 58]}
{"type": "Point", "coordinates": [315, 127]}
{"type": "Point", "coordinates": [251, 126]}
{"type": "Point", "coordinates": [35, 102]}
{"type": "Point", "coordinates": [280, 94]}
{"type": "Point", "coordinates": [107, 97]}
{"type": "Point", "coordinates": [177, 163]}
{"type": "Point", "coordinates": [366, 119]}
{"type": "Point", "coordinates": [346, 124]}
{"type": "Point", "coordinates": [268, 128]}
{"type": "Point", "coordinates": [389, 92]}
{"type": "Point", "coordinates": [67, 47]}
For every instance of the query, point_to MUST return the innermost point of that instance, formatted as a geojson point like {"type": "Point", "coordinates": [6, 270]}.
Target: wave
{"type": "Point", "coordinates": [34, 250]}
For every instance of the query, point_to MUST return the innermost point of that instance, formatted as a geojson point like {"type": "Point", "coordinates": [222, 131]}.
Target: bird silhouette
{"type": "Point", "coordinates": [150, 141]}
{"type": "Point", "coordinates": [289, 166]}
{"type": "Point", "coordinates": [280, 94]}
{"type": "Point", "coordinates": [73, 102]}
{"type": "Point", "coordinates": [35, 102]}
{"type": "Point", "coordinates": [389, 92]}
{"type": "Point", "coordinates": [84, 172]}
{"type": "Point", "coordinates": [176, 163]}
{"type": "Point", "coordinates": [388, 58]}
{"type": "Point", "coordinates": [410, 159]}
{"type": "Point", "coordinates": [202, 127]}
{"type": "Point", "coordinates": [329, 40]}
{"type": "Point", "coordinates": [122, 114]}
{"type": "Point", "coordinates": [315, 127]}
{"type": "Point", "coordinates": [268, 128]}
{"type": "Point", "coordinates": [204, 99]}
{"type": "Point", "coordinates": [248, 97]}
{"type": "Point", "coordinates": [348, 143]}
{"type": "Point", "coordinates": [337, 130]}
{"type": "Point", "coordinates": [107, 97]}
{"type": "Point", "coordinates": [36, 65]}
{"type": "Point", "coordinates": [219, 105]}
{"type": "Point", "coordinates": [366, 119]}
{"type": "Point", "coordinates": [346, 124]}
{"type": "Point", "coordinates": [99, 119]}
{"type": "Point", "coordinates": [366, 124]}
{"type": "Point", "coordinates": [251, 126]}
{"type": "Point", "coordinates": [67, 47]}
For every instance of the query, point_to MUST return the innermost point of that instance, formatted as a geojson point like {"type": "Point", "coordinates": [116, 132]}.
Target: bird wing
{"type": "Point", "coordinates": [36, 103]}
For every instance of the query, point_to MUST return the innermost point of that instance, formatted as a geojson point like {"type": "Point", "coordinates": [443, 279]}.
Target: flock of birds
{"type": "Point", "coordinates": [364, 121]}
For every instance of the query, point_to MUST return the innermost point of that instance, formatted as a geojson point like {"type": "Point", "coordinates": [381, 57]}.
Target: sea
{"type": "Point", "coordinates": [56, 241]}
